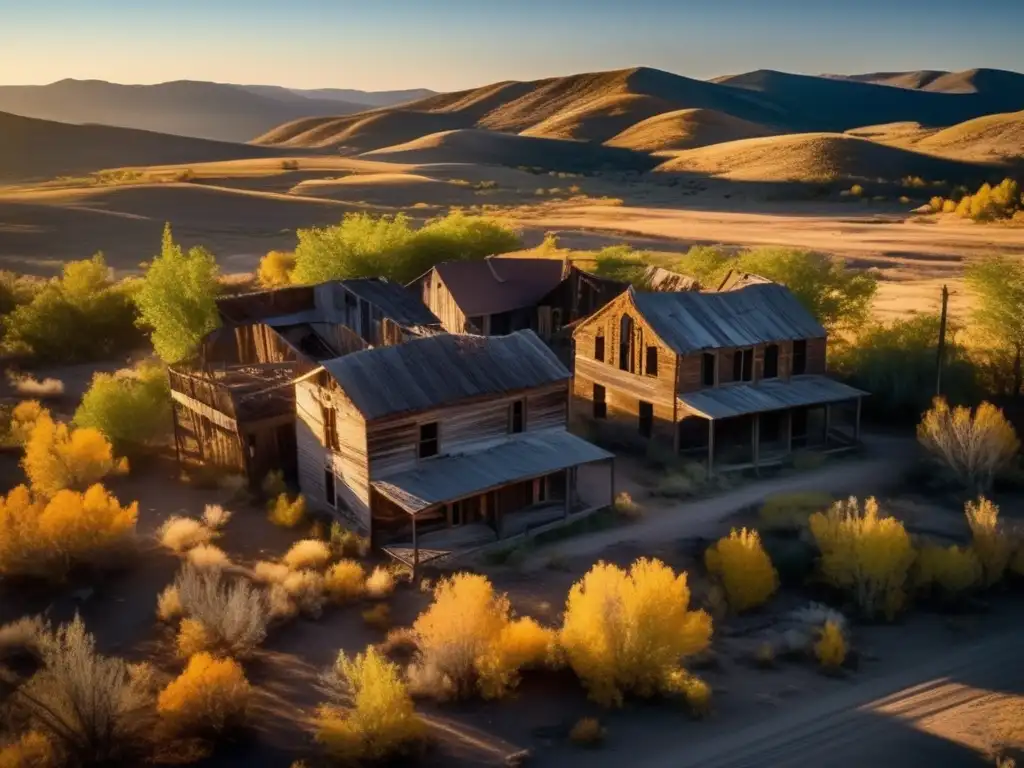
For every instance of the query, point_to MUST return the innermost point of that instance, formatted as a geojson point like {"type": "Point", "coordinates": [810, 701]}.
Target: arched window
{"type": "Point", "coordinates": [626, 344]}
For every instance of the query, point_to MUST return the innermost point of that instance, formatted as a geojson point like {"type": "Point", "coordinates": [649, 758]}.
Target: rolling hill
{"type": "Point", "coordinates": [998, 83]}
{"type": "Point", "coordinates": [686, 129]}
{"type": "Point", "coordinates": [32, 149]}
{"type": "Point", "coordinates": [815, 157]}
{"type": "Point", "coordinates": [989, 138]}
{"type": "Point", "coordinates": [185, 108]}
{"type": "Point", "coordinates": [352, 96]}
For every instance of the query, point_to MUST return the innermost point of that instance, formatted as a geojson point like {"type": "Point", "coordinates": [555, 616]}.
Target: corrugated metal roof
{"type": "Point", "coordinates": [495, 285]}
{"type": "Point", "coordinates": [689, 322]}
{"type": "Point", "coordinates": [437, 370]}
{"type": "Point", "coordinates": [448, 478]}
{"type": "Point", "coordinates": [769, 395]}
{"type": "Point", "coordinates": [394, 300]}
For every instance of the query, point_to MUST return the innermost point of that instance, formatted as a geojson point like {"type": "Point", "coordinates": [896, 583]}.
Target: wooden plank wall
{"type": "Point", "coordinates": [392, 444]}
{"type": "Point", "coordinates": [436, 296]}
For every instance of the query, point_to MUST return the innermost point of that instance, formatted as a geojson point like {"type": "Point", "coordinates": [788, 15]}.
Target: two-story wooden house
{"type": "Point", "coordinates": [737, 378]}
{"type": "Point", "coordinates": [446, 442]}
{"type": "Point", "coordinates": [234, 405]}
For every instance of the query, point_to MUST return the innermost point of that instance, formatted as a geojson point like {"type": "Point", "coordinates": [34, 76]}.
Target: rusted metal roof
{"type": "Point", "coordinates": [661, 279]}
{"type": "Point", "coordinates": [769, 395]}
{"type": "Point", "coordinates": [394, 301]}
{"type": "Point", "coordinates": [689, 322]}
{"type": "Point", "coordinates": [448, 478]}
{"type": "Point", "coordinates": [734, 279]}
{"type": "Point", "coordinates": [494, 285]}
{"type": "Point", "coordinates": [437, 370]}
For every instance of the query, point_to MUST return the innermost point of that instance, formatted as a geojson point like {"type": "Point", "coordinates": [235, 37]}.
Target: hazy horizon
{"type": "Point", "coordinates": [340, 44]}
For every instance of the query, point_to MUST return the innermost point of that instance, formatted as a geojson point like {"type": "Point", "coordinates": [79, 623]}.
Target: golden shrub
{"type": "Point", "coordinates": [467, 635]}
{"type": "Point", "coordinates": [32, 750]}
{"type": "Point", "coordinates": [744, 568]}
{"type": "Point", "coordinates": [345, 581]}
{"type": "Point", "coordinates": [306, 589]}
{"type": "Point", "coordinates": [168, 605]}
{"type": "Point", "coordinates": [308, 553]}
{"type": "Point", "coordinates": [830, 648]}
{"type": "Point", "coordinates": [210, 696]}
{"type": "Point", "coordinates": [950, 570]}
{"type": "Point", "coordinates": [587, 732]}
{"type": "Point", "coordinates": [378, 617]}
{"type": "Point", "coordinates": [974, 446]}
{"type": "Point", "coordinates": [46, 538]}
{"type": "Point", "coordinates": [266, 572]}
{"type": "Point", "coordinates": [371, 717]}
{"type": "Point", "coordinates": [209, 557]}
{"type": "Point", "coordinates": [193, 638]}
{"type": "Point", "coordinates": [625, 506]}
{"type": "Point", "coordinates": [626, 632]}
{"type": "Point", "coordinates": [380, 583]}
{"type": "Point", "coordinates": [696, 693]}
{"type": "Point", "coordinates": [180, 534]}
{"type": "Point", "coordinates": [865, 554]}
{"type": "Point", "coordinates": [215, 516]}
{"type": "Point", "coordinates": [24, 418]}
{"type": "Point", "coordinates": [285, 513]}
{"type": "Point", "coordinates": [275, 269]}
{"type": "Point", "coordinates": [990, 541]}
{"type": "Point", "coordinates": [280, 606]}
{"type": "Point", "coordinates": [58, 458]}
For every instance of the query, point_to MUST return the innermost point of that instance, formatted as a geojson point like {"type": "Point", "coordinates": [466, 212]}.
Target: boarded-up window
{"type": "Point", "coordinates": [515, 417]}
{"type": "Point", "coordinates": [651, 361]}
{"type": "Point", "coordinates": [707, 369]}
{"type": "Point", "coordinates": [771, 361]}
{"type": "Point", "coordinates": [646, 419]}
{"type": "Point", "coordinates": [329, 494]}
{"type": "Point", "coordinates": [429, 444]}
{"type": "Point", "coordinates": [626, 344]}
{"type": "Point", "coordinates": [329, 418]}
{"type": "Point", "coordinates": [743, 365]}
{"type": "Point", "coordinates": [600, 404]}
{"type": "Point", "coordinates": [599, 347]}
{"type": "Point", "coordinates": [799, 357]}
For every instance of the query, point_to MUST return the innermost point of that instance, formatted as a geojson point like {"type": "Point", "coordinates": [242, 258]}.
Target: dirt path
{"type": "Point", "coordinates": [888, 460]}
{"type": "Point", "coordinates": [914, 719]}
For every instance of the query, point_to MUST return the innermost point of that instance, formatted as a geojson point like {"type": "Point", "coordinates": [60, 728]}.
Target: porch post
{"type": "Point", "coordinates": [755, 436]}
{"type": "Point", "coordinates": [611, 480]}
{"type": "Point", "coordinates": [828, 422]}
{"type": "Point", "coordinates": [177, 441]}
{"type": "Point", "coordinates": [789, 431]}
{"type": "Point", "coordinates": [415, 549]}
{"type": "Point", "coordinates": [856, 422]}
{"type": "Point", "coordinates": [568, 493]}
{"type": "Point", "coordinates": [711, 447]}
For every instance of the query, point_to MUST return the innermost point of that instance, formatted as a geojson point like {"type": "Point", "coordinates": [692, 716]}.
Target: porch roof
{"type": "Point", "coordinates": [769, 395]}
{"type": "Point", "coordinates": [448, 478]}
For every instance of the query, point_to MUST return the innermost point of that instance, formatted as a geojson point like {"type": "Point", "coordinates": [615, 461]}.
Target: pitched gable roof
{"type": "Point", "coordinates": [393, 299]}
{"type": "Point", "coordinates": [757, 314]}
{"type": "Point", "coordinates": [493, 285]}
{"type": "Point", "coordinates": [439, 370]}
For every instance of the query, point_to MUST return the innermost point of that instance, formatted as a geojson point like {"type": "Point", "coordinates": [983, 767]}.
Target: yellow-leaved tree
{"type": "Point", "coordinates": [275, 269]}
{"type": "Point", "coordinates": [744, 568]}
{"type": "Point", "coordinates": [973, 445]}
{"type": "Point", "coordinates": [627, 632]}
{"type": "Point", "coordinates": [865, 554]}
{"type": "Point", "coordinates": [210, 697]}
{"type": "Point", "coordinates": [58, 457]}
{"type": "Point", "coordinates": [24, 418]}
{"type": "Point", "coordinates": [991, 542]}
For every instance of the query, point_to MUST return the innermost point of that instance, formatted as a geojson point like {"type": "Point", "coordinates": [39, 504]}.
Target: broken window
{"type": "Point", "coordinates": [329, 494]}
{"type": "Point", "coordinates": [707, 369]}
{"type": "Point", "coordinates": [429, 444]}
{"type": "Point", "coordinates": [743, 365]}
{"type": "Point", "coordinates": [799, 357]}
{"type": "Point", "coordinates": [599, 348]}
{"type": "Point", "coordinates": [515, 417]}
{"type": "Point", "coordinates": [626, 344]}
{"type": "Point", "coordinates": [329, 418]}
{"type": "Point", "coordinates": [651, 361]}
{"type": "Point", "coordinates": [771, 361]}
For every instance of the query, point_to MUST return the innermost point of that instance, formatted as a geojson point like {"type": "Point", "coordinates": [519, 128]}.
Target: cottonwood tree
{"type": "Point", "coordinates": [998, 283]}
{"type": "Point", "coordinates": [176, 299]}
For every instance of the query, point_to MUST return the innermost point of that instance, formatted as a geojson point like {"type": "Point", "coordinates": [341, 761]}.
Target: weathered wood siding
{"type": "Point", "coordinates": [438, 299]}
{"type": "Point", "coordinates": [349, 463]}
{"type": "Point", "coordinates": [624, 391]}
{"type": "Point", "coordinates": [816, 355]}
{"type": "Point", "coordinates": [392, 444]}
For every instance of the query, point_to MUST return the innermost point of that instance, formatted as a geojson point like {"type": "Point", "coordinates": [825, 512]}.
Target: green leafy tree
{"type": "Point", "coordinates": [133, 411]}
{"type": "Point", "coordinates": [998, 283]}
{"type": "Point", "coordinates": [707, 263]}
{"type": "Point", "coordinates": [176, 299]}
{"type": "Point", "coordinates": [839, 297]}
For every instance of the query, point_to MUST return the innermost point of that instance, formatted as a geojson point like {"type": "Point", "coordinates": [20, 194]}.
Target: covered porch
{"type": "Point", "coordinates": [457, 503]}
{"type": "Point", "coordinates": [749, 426]}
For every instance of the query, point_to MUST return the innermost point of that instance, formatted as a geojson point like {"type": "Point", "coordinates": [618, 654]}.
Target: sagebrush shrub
{"type": "Point", "coordinates": [168, 605]}
{"type": "Point", "coordinates": [208, 557]}
{"type": "Point", "coordinates": [830, 649]}
{"type": "Point", "coordinates": [380, 583]}
{"type": "Point", "coordinates": [275, 269]}
{"type": "Point", "coordinates": [132, 409]}
{"type": "Point", "coordinates": [31, 750]}
{"type": "Point", "coordinates": [370, 716]}
{"type": "Point", "coordinates": [280, 606]}
{"type": "Point", "coordinates": [233, 613]}
{"type": "Point", "coordinates": [215, 517]}
{"type": "Point", "coordinates": [346, 543]}
{"type": "Point", "coordinates": [308, 553]}
{"type": "Point", "coordinates": [265, 572]}
{"type": "Point", "coordinates": [625, 506]}
{"type": "Point", "coordinates": [626, 632]}
{"type": "Point", "coordinates": [952, 571]}
{"type": "Point", "coordinates": [306, 589]}
{"type": "Point", "coordinates": [345, 581]}
{"type": "Point", "coordinates": [24, 418]}
{"type": "Point", "coordinates": [208, 698]}
{"type": "Point", "coordinates": [587, 732]}
{"type": "Point", "coordinates": [974, 446]}
{"type": "Point", "coordinates": [23, 637]}
{"type": "Point", "coordinates": [696, 693]}
{"type": "Point", "coordinates": [193, 638]}
{"type": "Point", "coordinates": [180, 534]}
{"type": "Point", "coordinates": [58, 458]}
{"type": "Point", "coordinates": [744, 567]}
{"type": "Point", "coordinates": [273, 484]}
{"type": "Point", "coordinates": [992, 544]}
{"type": "Point", "coordinates": [865, 554]}
{"type": "Point", "coordinates": [286, 513]}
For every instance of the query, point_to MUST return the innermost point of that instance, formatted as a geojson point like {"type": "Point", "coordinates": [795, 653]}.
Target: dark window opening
{"type": "Point", "coordinates": [646, 419]}
{"type": "Point", "coordinates": [515, 417]}
{"type": "Point", "coordinates": [556, 318]}
{"type": "Point", "coordinates": [626, 344]}
{"type": "Point", "coordinates": [600, 405]}
{"type": "Point", "coordinates": [330, 421]}
{"type": "Point", "coordinates": [542, 489]}
{"type": "Point", "coordinates": [799, 357]}
{"type": "Point", "coordinates": [599, 348]}
{"type": "Point", "coordinates": [329, 487]}
{"type": "Point", "coordinates": [771, 361]}
{"type": "Point", "coordinates": [651, 363]}
{"type": "Point", "coordinates": [364, 321]}
{"type": "Point", "coordinates": [743, 365]}
{"type": "Point", "coordinates": [251, 442]}
{"type": "Point", "coordinates": [707, 369]}
{"type": "Point", "coordinates": [428, 440]}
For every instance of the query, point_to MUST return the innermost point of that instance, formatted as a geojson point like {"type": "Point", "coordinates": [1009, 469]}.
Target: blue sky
{"type": "Point", "coordinates": [451, 44]}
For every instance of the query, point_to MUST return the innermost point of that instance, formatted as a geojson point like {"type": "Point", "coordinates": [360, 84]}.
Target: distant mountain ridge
{"type": "Point", "coordinates": [990, 81]}
{"type": "Point", "coordinates": [350, 95]}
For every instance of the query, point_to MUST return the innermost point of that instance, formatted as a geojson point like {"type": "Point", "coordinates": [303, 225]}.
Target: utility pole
{"type": "Point", "coordinates": [942, 341]}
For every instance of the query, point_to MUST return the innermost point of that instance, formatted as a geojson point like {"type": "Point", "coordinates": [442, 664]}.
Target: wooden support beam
{"type": "Point", "coordinates": [856, 422]}
{"type": "Point", "coordinates": [755, 436]}
{"type": "Point", "coordinates": [711, 447]}
{"type": "Point", "coordinates": [789, 432]}
{"type": "Point", "coordinates": [611, 479]}
{"type": "Point", "coordinates": [568, 492]}
{"type": "Point", "coordinates": [828, 422]}
{"type": "Point", "coordinates": [415, 549]}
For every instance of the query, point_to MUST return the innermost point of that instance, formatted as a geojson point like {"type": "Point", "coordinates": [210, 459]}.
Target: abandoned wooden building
{"type": "Point", "coordinates": [499, 295]}
{"type": "Point", "coordinates": [234, 405]}
{"type": "Point", "coordinates": [447, 443]}
{"type": "Point", "coordinates": [734, 379]}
